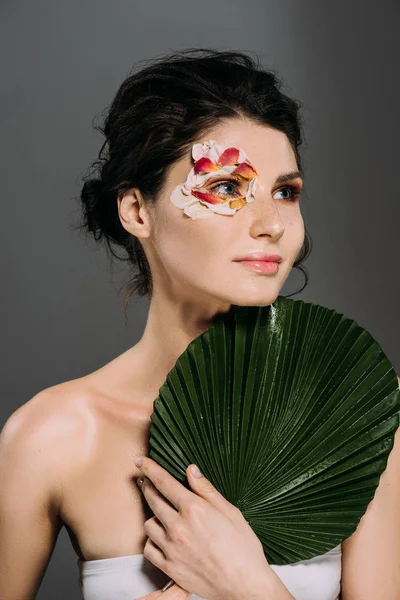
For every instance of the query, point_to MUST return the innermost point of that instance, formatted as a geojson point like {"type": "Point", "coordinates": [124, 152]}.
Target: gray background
{"type": "Point", "coordinates": [61, 313]}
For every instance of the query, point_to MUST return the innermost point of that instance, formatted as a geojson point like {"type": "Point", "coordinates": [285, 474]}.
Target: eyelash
{"type": "Point", "coordinates": [295, 189]}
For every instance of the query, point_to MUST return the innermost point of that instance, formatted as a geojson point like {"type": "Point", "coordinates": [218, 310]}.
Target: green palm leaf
{"type": "Point", "coordinates": [290, 410]}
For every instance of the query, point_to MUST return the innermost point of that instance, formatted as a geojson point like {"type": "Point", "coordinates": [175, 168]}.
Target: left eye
{"type": "Point", "coordinates": [234, 188]}
{"type": "Point", "coordinates": [293, 190]}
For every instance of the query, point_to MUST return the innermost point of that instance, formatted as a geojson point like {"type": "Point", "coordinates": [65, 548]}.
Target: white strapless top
{"type": "Point", "coordinates": [130, 577]}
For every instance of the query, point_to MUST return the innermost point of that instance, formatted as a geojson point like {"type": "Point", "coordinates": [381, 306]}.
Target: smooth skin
{"type": "Point", "coordinates": [66, 455]}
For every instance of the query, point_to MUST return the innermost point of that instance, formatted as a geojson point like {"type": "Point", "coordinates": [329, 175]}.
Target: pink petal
{"type": "Point", "coordinates": [207, 197]}
{"type": "Point", "coordinates": [229, 157]}
{"type": "Point", "coordinates": [245, 170]}
{"type": "Point", "coordinates": [205, 165]}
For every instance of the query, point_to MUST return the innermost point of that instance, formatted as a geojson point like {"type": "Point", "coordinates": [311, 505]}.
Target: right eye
{"type": "Point", "coordinates": [234, 188]}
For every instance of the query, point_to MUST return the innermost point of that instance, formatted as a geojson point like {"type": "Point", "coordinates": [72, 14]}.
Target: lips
{"type": "Point", "coordinates": [260, 256]}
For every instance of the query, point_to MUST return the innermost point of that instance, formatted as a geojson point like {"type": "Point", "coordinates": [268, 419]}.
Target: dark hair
{"type": "Point", "coordinates": [155, 117]}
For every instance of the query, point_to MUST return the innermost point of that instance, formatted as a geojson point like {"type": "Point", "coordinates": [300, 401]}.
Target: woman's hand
{"type": "Point", "coordinates": [173, 593]}
{"type": "Point", "coordinates": [199, 539]}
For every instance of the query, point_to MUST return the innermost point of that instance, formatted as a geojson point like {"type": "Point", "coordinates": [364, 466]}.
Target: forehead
{"type": "Point", "coordinates": [261, 143]}
{"type": "Point", "coordinates": [268, 149]}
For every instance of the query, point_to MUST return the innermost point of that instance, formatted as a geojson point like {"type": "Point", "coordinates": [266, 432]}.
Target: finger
{"type": "Point", "coordinates": [155, 555]}
{"type": "Point", "coordinates": [151, 596]}
{"type": "Point", "coordinates": [156, 532]}
{"type": "Point", "coordinates": [169, 487]}
{"type": "Point", "coordinates": [158, 504]}
{"type": "Point", "coordinates": [205, 489]}
{"type": "Point", "coordinates": [173, 593]}
{"type": "Point", "coordinates": [176, 593]}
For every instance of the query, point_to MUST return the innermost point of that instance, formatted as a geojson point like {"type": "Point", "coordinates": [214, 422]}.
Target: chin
{"type": "Point", "coordinates": [254, 296]}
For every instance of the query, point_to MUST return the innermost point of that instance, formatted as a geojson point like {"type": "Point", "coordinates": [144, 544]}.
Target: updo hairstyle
{"type": "Point", "coordinates": [156, 115]}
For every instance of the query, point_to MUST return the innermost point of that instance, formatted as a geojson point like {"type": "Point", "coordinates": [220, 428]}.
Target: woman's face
{"type": "Point", "coordinates": [194, 259]}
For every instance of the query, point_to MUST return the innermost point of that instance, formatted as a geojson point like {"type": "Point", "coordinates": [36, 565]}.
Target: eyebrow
{"type": "Point", "coordinates": [288, 176]}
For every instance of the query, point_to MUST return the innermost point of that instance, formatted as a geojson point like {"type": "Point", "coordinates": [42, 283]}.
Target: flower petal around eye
{"type": "Point", "coordinates": [194, 180]}
{"type": "Point", "coordinates": [243, 157]}
{"type": "Point", "coordinates": [226, 170]}
{"type": "Point", "coordinates": [229, 157]}
{"type": "Point", "coordinates": [237, 203]}
{"type": "Point", "coordinates": [196, 210]}
{"type": "Point", "coordinates": [197, 181]}
{"type": "Point", "coordinates": [205, 165]}
{"type": "Point", "coordinates": [222, 209]}
{"type": "Point", "coordinates": [250, 197]}
{"type": "Point", "coordinates": [179, 198]}
{"type": "Point", "coordinates": [207, 197]}
{"type": "Point", "coordinates": [199, 150]}
{"type": "Point", "coordinates": [253, 185]}
{"type": "Point", "coordinates": [215, 151]}
{"type": "Point", "coordinates": [245, 170]}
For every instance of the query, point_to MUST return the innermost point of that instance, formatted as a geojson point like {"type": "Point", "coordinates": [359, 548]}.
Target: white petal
{"type": "Point", "coordinates": [215, 151]}
{"type": "Point", "coordinates": [228, 169]}
{"type": "Point", "coordinates": [243, 156]}
{"type": "Point", "coordinates": [222, 209]}
{"type": "Point", "coordinates": [190, 179]}
{"type": "Point", "coordinates": [197, 151]}
{"type": "Point", "coordinates": [179, 199]}
{"type": "Point", "coordinates": [251, 190]}
{"type": "Point", "coordinates": [197, 211]}
{"type": "Point", "coordinates": [200, 150]}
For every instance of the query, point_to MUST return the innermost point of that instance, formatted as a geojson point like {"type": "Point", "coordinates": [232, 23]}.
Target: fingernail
{"type": "Point", "coordinates": [138, 462]}
{"type": "Point", "coordinates": [196, 472]}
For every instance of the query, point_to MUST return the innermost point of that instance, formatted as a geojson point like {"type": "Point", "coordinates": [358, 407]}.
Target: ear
{"type": "Point", "coordinates": [134, 213]}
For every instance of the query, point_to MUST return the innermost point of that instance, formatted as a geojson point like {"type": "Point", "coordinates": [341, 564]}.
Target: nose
{"type": "Point", "coordinates": [265, 218]}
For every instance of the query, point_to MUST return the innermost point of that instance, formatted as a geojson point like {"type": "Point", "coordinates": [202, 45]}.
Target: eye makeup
{"type": "Point", "coordinates": [223, 166]}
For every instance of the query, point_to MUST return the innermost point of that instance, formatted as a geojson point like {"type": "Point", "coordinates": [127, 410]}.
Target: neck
{"type": "Point", "coordinates": [170, 327]}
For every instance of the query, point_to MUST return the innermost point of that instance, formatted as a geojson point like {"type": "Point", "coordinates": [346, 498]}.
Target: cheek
{"type": "Point", "coordinates": [294, 233]}
{"type": "Point", "coordinates": [190, 248]}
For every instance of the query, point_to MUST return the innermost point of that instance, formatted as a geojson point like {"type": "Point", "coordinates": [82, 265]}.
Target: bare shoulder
{"type": "Point", "coordinates": [60, 429]}
{"type": "Point", "coordinates": [43, 435]}
{"type": "Point", "coordinates": [52, 413]}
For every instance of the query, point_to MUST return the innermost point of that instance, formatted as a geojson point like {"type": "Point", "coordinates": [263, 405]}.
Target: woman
{"type": "Point", "coordinates": [200, 169]}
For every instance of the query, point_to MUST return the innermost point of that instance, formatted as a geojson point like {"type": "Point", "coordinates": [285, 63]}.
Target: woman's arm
{"type": "Point", "coordinates": [371, 556]}
{"type": "Point", "coordinates": [29, 497]}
